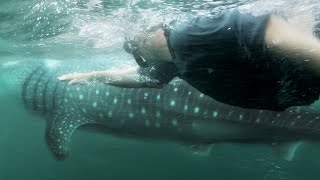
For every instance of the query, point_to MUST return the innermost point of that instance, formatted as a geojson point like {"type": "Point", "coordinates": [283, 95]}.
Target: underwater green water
{"type": "Point", "coordinates": [94, 29]}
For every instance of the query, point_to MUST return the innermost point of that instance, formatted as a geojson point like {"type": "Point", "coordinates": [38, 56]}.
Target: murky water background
{"type": "Point", "coordinates": [95, 29]}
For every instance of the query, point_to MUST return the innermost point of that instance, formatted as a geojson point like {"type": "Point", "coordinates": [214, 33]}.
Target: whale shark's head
{"type": "Point", "coordinates": [14, 73]}
{"type": "Point", "coordinates": [11, 77]}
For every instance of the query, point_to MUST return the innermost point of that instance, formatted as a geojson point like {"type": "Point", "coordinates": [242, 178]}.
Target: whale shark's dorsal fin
{"type": "Point", "coordinates": [60, 126]}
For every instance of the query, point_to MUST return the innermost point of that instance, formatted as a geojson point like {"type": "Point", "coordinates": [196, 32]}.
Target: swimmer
{"type": "Point", "coordinates": [255, 62]}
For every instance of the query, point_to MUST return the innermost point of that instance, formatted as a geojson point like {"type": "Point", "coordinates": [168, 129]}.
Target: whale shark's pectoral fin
{"type": "Point", "coordinates": [288, 150]}
{"type": "Point", "coordinates": [60, 127]}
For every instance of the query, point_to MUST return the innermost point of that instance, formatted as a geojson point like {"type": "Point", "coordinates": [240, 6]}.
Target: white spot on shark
{"type": "Point", "coordinates": [158, 114]}
{"type": "Point", "coordinates": [70, 95]}
{"type": "Point", "coordinates": [258, 120]}
{"type": "Point", "coordinates": [172, 103]}
{"type": "Point", "coordinates": [84, 110]}
{"type": "Point", "coordinates": [146, 95]}
{"type": "Point", "coordinates": [185, 107]}
{"type": "Point", "coordinates": [80, 97]}
{"type": "Point", "coordinates": [196, 110]}
{"type": "Point", "coordinates": [131, 115]}
{"type": "Point", "coordinates": [68, 89]}
{"type": "Point", "coordinates": [110, 114]}
{"type": "Point", "coordinates": [189, 93]}
{"type": "Point", "coordinates": [174, 122]}
{"type": "Point", "coordinates": [201, 95]}
{"type": "Point", "coordinates": [175, 89]}
{"type": "Point", "coordinates": [215, 114]}
{"type": "Point", "coordinates": [97, 92]}
{"type": "Point", "coordinates": [115, 100]}
{"type": "Point", "coordinates": [78, 88]}
{"type": "Point", "coordinates": [240, 117]}
{"type": "Point", "coordinates": [95, 104]}
{"type": "Point", "coordinates": [129, 101]}
{"type": "Point", "coordinates": [107, 93]}
{"type": "Point", "coordinates": [158, 97]}
{"type": "Point", "coordinates": [143, 110]}
{"type": "Point", "coordinates": [66, 100]}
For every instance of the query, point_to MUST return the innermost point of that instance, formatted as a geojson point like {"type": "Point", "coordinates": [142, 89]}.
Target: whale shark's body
{"type": "Point", "coordinates": [176, 112]}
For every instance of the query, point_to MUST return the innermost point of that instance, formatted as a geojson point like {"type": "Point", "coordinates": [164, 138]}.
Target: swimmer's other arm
{"type": "Point", "coordinates": [129, 78]}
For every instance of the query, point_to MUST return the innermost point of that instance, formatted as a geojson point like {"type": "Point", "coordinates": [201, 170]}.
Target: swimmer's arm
{"type": "Point", "coordinates": [284, 38]}
{"type": "Point", "coordinates": [129, 78]}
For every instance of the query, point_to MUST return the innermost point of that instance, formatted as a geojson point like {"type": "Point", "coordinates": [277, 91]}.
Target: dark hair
{"type": "Point", "coordinates": [131, 46]}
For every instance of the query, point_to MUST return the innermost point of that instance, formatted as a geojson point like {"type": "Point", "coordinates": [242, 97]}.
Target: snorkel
{"type": "Point", "coordinates": [131, 47]}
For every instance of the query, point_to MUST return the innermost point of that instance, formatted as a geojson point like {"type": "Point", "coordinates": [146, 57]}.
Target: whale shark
{"type": "Point", "coordinates": [176, 112]}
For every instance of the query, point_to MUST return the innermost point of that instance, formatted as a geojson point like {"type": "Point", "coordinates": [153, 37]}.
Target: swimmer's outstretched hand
{"type": "Point", "coordinates": [79, 78]}
{"type": "Point", "coordinates": [120, 78]}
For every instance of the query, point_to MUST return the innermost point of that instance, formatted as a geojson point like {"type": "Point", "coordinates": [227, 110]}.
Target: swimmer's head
{"type": "Point", "coordinates": [149, 48]}
{"type": "Point", "coordinates": [131, 46]}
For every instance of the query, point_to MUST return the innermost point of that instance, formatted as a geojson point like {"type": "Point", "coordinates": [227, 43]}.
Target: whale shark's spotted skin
{"type": "Point", "coordinates": [176, 111]}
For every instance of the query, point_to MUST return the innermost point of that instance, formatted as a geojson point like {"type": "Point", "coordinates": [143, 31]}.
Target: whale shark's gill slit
{"type": "Point", "coordinates": [46, 94]}
{"type": "Point", "coordinates": [25, 86]}
{"type": "Point", "coordinates": [60, 127]}
{"type": "Point", "coordinates": [58, 93]}
{"type": "Point", "coordinates": [54, 94]}
{"type": "Point", "coordinates": [35, 102]}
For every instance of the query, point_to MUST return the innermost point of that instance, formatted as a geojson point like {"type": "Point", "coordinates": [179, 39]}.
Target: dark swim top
{"type": "Point", "coordinates": [225, 58]}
